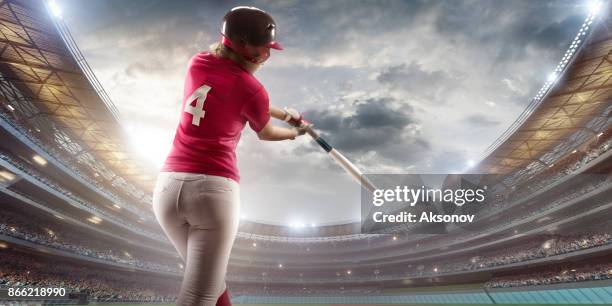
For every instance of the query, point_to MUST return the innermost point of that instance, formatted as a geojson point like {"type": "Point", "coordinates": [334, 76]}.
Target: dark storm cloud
{"type": "Point", "coordinates": [525, 24]}
{"type": "Point", "coordinates": [481, 120]}
{"type": "Point", "coordinates": [375, 126]}
{"type": "Point", "coordinates": [338, 21]}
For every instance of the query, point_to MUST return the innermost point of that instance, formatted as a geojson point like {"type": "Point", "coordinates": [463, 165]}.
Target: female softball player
{"type": "Point", "coordinates": [196, 197]}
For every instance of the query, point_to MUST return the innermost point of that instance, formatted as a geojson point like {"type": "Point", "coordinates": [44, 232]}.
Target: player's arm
{"type": "Point", "coordinates": [272, 132]}
{"type": "Point", "coordinates": [277, 112]}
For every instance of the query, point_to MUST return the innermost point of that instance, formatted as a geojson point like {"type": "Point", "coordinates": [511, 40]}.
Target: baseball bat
{"type": "Point", "coordinates": [351, 169]}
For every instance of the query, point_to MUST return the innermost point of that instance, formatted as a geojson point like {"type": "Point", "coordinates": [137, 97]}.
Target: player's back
{"type": "Point", "coordinates": [217, 91]}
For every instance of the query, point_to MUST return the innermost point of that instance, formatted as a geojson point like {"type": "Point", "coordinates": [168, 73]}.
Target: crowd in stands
{"type": "Point", "coordinates": [102, 285]}
{"type": "Point", "coordinates": [523, 252]}
{"type": "Point", "coordinates": [94, 209]}
{"type": "Point", "coordinates": [586, 272]}
{"type": "Point", "coordinates": [268, 290]}
{"type": "Point", "coordinates": [537, 248]}
{"type": "Point", "coordinates": [53, 234]}
{"type": "Point", "coordinates": [568, 165]}
{"type": "Point", "coordinates": [79, 168]}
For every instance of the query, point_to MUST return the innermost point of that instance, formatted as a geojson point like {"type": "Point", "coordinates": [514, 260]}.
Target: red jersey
{"type": "Point", "coordinates": [219, 98]}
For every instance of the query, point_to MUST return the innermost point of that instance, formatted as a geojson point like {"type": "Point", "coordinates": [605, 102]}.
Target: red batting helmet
{"type": "Point", "coordinates": [244, 25]}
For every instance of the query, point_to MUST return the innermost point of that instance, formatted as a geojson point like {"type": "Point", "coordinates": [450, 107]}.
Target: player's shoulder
{"type": "Point", "coordinates": [204, 58]}
{"type": "Point", "coordinates": [207, 61]}
{"type": "Point", "coordinates": [250, 83]}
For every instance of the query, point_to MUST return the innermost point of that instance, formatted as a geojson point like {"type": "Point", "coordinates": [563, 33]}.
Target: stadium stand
{"type": "Point", "coordinates": [545, 238]}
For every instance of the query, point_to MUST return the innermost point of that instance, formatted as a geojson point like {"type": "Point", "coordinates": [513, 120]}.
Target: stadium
{"type": "Point", "coordinates": [76, 201]}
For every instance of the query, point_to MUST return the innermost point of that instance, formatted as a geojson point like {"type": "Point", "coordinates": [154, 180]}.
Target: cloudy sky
{"type": "Point", "coordinates": [398, 86]}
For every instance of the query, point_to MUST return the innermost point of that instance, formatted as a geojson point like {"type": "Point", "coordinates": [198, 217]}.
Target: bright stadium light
{"type": "Point", "coordinates": [39, 160]}
{"type": "Point", "coordinates": [6, 176]}
{"type": "Point", "coordinates": [594, 7]}
{"type": "Point", "coordinates": [552, 77]}
{"type": "Point", "coordinates": [10, 107]}
{"type": "Point", "coordinates": [152, 142]}
{"type": "Point", "coordinates": [296, 224]}
{"type": "Point", "coordinates": [94, 219]}
{"type": "Point", "coordinates": [55, 9]}
{"type": "Point", "coordinates": [471, 163]}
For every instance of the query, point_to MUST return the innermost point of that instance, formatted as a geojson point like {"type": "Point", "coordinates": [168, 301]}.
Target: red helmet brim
{"type": "Point", "coordinates": [275, 45]}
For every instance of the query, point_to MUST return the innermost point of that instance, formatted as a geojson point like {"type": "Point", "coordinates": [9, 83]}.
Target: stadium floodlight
{"type": "Point", "coordinates": [6, 176]}
{"type": "Point", "coordinates": [594, 7]}
{"type": "Point", "coordinates": [600, 133]}
{"type": "Point", "coordinates": [94, 219]}
{"type": "Point", "coordinates": [10, 107]}
{"type": "Point", "coordinates": [552, 77]}
{"type": "Point", "coordinates": [313, 225]}
{"type": "Point", "coordinates": [117, 206]}
{"type": "Point", "coordinates": [471, 163]}
{"type": "Point", "coordinates": [296, 224]}
{"type": "Point", "coordinates": [254, 244]}
{"type": "Point", "coordinates": [280, 265]}
{"type": "Point", "coordinates": [59, 217]}
{"type": "Point", "coordinates": [39, 160]}
{"type": "Point", "coordinates": [55, 9]}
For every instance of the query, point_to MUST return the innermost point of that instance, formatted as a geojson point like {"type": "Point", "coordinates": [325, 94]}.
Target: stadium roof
{"type": "Point", "coordinates": [39, 58]}
{"type": "Point", "coordinates": [572, 107]}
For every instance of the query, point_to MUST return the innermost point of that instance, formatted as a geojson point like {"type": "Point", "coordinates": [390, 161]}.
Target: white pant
{"type": "Point", "coordinates": [200, 214]}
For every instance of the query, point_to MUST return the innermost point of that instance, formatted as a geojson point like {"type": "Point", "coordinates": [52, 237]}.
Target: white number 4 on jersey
{"type": "Point", "coordinates": [197, 111]}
